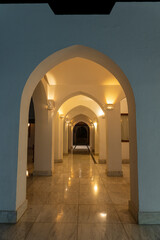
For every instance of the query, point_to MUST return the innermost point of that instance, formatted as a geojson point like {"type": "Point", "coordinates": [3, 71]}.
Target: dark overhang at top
{"type": "Point", "coordinates": [70, 7]}
{"type": "Point", "coordinates": [64, 7]}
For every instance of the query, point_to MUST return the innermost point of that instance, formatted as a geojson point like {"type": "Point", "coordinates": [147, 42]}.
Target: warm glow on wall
{"type": "Point", "coordinates": [50, 97]}
{"type": "Point", "coordinates": [100, 113]}
{"type": "Point", "coordinates": [27, 173]}
{"type": "Point", "coordinates": [60, 112]}
{"type": "Point", "coordinates": [95, 124]}
{"type": "Point", "coordinates": [51, 79]}
{"type": "Point", "coordinates": [110, 100]}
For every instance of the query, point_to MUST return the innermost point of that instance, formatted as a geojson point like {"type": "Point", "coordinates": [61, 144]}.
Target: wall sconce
{"type": "Point", "coordinates": [51, 104]}
{"type": "Point", "coordinates": [95, 124]}
{"type": "Point", "coordinates": [61, 116]}
{"type": "Point", "coordinates": [67, 121]}
{"type": "Point", "coordinates": [109, 106]}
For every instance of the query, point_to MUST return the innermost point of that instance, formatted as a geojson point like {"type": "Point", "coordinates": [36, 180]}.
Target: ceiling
{"type": "Point", "coordinates": [80, 71]}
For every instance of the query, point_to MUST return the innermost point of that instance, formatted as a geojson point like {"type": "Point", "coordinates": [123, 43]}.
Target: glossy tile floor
{"type": "Point", "coordinates": [78, 202]}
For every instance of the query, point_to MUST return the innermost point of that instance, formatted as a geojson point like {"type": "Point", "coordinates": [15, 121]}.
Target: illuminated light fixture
{"type": "Point", "coordinates": [51, 104]}
{"type": "Point", "coordinates": [27, 173]}
{"type": "Point", "coordinates": [109, 106]}
{"type": "Point", "coordinates": [95, 124]}
{"type": "Point", "coordinates": [67, 121]}
{"type": "Point", "coordinates": [28, 124]}
{"type": "Point", "coordinates": [61, 116]}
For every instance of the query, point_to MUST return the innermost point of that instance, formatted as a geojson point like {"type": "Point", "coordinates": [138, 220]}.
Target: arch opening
{"type": "Point", "coordinates": [39, 73]}
{"type": "Point", "coordinates": [81, 134]}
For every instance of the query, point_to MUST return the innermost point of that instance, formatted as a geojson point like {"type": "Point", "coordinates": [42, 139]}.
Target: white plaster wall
{"type": "Point", "coordinates": [124, 36]}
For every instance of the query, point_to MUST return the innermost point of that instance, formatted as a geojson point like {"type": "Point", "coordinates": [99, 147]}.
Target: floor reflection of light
{"type": "Point", "coordinates": [95, 188]}
{"type": "Point", "coordinates": [103, 215]}
{"type": "Point", "coordinates": [80, 173]}
{"type": "Point", "coordinates": [59, 216]}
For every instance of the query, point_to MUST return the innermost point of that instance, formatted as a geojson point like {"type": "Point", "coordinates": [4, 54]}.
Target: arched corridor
{"type": "Point", "coordinates": [58, 112]}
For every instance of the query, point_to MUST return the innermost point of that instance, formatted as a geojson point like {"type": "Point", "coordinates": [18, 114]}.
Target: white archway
{"type": "Point", "coordinates": [37, 75]}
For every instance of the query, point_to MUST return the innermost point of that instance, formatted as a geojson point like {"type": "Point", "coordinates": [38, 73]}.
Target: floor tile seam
{"type": "Point", "coordinates": [119, 223]}
{"type": "Point", "coordinates": [32, 223]}
{"type": "Point", "coordinates": [117, 214]}
{"type": "Point", "coordinates": [126, 231]}
{"type": "Point", "coordinates": [64, 222]}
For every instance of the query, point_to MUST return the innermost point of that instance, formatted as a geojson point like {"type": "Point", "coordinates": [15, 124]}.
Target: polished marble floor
{"type": "Point", "coordinates": [79, 202]}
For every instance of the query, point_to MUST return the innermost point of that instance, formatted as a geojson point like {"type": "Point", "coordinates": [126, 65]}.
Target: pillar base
{"type": "Point", "coordinates": [96, 154]}
{"type": "Point", "coordinates": [58, 160]}
{"type": "Point", "coordinates": [102, 161]}
{"type": "Point", "coordinates": [149, 218]}
{"type": "Point", "coordinates": [42, 173]}
{"type": "Point", "coordinates": [114, 173]}
{"type": "Point", "coordinates": [13, 216]}
{"type": "Point", "coordinates": [133, 210]}
{"type": "Point", "coordinates": [125, 161]}
{"type": "Point", "coordinates": [65, 154]}
{"type": "Point", "coordinates": [144, 217]}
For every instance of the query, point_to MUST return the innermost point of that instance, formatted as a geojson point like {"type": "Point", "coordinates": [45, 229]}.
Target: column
{"type": "Point", "coordinates": [43, 158]}
{"type": "Point", "coordinates": [65, 139]}
{"type": "Point", "coordinates": [95, 138]}
{"type": "Point", "coordinates": [102, 139]}
{"type": "Point", "coordinates": [114, 161]}
{"type": "Point", "coordinates": [60, 140]}
{"type": "Point", "coordinates": [91, 138]}
{"type": "Point", "coordinates": [71, 137]}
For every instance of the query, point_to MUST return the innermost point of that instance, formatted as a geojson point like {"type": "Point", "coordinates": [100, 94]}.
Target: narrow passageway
{"type": "Point", "coordinates": [78, 202]}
